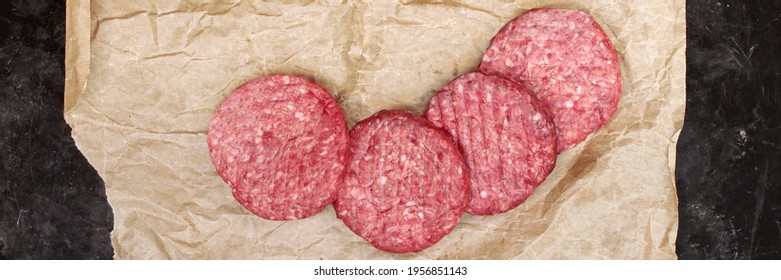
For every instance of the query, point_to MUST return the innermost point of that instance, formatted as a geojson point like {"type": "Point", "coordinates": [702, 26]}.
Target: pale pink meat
{"type": "Point", "coordinates": [405, 186]}
{"type": "Point", "coordinates": [566, 59]}
{"type": "Point", "coordinates": [505, 133]}
{"type": "Point", "coordinates": [280, 142]}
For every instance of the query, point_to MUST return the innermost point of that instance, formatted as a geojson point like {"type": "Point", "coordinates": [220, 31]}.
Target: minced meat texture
{"type": "Point", "coordinates": [569, 63]}
{"type": "Point", "coordinates": [405, 186]}
{"type": "Point", "coordinates": [505, 133]}
{"type": "Point", "coordinates": [280, 142]}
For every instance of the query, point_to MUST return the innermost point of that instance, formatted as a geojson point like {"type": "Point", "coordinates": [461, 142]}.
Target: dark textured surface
{"type": "Point", "coordinates": [729, 153]}
{"type": "Point", "coordinates": [52, 202]}
{"type": "Point", "coordinates": [53, 205]}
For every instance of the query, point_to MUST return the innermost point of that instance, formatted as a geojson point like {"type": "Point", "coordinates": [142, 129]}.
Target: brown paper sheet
{"type": "Point", "coordinates": [144, 77]}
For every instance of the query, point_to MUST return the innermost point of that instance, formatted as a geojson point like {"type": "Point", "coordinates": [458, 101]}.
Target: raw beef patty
{"type": "Point", "coordinates": [280, 142]}
{"type": "Point", "coordinates": [566, 59]}
{"type": "Point", "coordinates": [405, 186]}
{"type": "Point", "coordinates": [506, 134]}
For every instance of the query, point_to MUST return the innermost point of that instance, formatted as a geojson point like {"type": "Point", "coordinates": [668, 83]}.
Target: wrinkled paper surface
{"type": "Point", "coordinates": [144, 78]}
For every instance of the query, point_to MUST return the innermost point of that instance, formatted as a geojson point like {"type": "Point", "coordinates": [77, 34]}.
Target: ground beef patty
{"type": "Point", "coordinates": [506, 134]}
{"type": "Point", "coordinates": [280, 142]}
{"type": "Point", "coordinates": [405, 186]}
{"type": "Point", "coordinates": [566, 59]}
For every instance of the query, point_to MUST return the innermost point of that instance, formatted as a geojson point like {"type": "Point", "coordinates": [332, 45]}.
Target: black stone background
{"type": "Point", "coordinates": [53, 203]}
{"type": "Point", "coordinates": [729, 153]}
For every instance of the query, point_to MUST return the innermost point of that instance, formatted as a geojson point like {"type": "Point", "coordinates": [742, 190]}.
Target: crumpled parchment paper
{"type": "Point", "coordinates": [144, 78]}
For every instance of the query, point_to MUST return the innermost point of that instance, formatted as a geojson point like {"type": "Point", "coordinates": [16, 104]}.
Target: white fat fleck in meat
{"type": "Point", "coordinates": [537, 117]}
{"type": "Point", "coordinates": [329, 139]}
{"type": "Point", "coordinates": [382, 180]}
{"type": "Point", "coordinates": [300, 116]}
{"type": "Point", "coordinates": [483, 194]}
{"type": "Point", "coordinates": [569, 104]}
{"type": "Point", "coordinates": [357, 193]}
{"type": "Point", "coordinates": [407, 213]}
{"type": "Point", "coordinates": [289, 106]}
{"type": "Point", "coordinates": [509, 62]}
